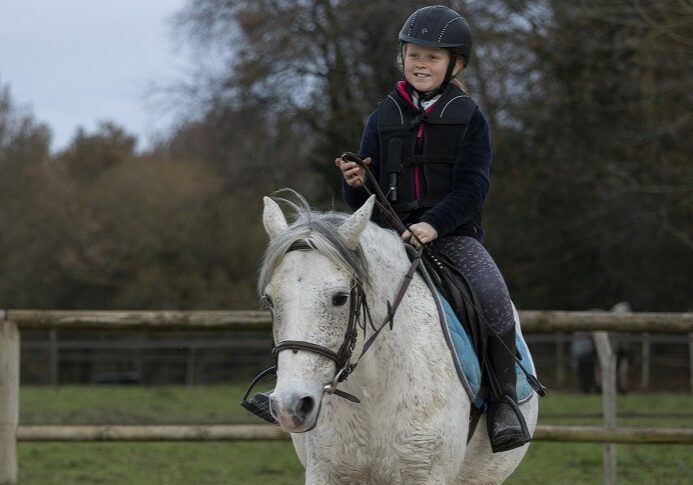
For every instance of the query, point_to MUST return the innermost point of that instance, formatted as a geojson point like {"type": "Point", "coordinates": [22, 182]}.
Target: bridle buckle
{"type": "Point", "coordinates": [331, 388]}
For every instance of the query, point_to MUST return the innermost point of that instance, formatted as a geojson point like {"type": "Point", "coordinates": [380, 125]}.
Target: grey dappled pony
{"type": "Point", "coordinates": [412, 422]}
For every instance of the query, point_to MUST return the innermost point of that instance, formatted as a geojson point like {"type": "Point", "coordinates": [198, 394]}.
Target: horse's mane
{"type": "Point", "coordinates": [321, 231]}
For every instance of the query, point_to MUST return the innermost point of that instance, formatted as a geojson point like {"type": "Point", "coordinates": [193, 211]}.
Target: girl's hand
{"type": "Point", "coordinates": [353, 173]}
{"type": "Point", "coordinates": [423, 230]}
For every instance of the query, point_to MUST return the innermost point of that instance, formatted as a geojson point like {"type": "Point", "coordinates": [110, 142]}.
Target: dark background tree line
{"type": "Point", "coordinates": [592, 187]}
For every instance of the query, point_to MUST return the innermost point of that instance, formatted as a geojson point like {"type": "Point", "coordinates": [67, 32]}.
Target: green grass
{"type": "Point", "coordinates": [133, 405]}
{"type": "Point", "coordinates": [582, 464]}
{"type": "Point", "coordinates": [661, 410]}
{"type": "Point", "coordinates": [159, 463]}
{"type": "Point", "coordinates": [275, 462]}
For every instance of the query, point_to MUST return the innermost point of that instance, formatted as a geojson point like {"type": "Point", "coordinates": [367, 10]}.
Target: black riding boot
{"type": "Point", "coordinates": [507, 429]}
{"type": "Point", "coordinates": [259, 405]}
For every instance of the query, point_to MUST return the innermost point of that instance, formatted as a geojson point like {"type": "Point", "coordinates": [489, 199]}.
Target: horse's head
{"type": "Point", "coordinates": [308, 273]}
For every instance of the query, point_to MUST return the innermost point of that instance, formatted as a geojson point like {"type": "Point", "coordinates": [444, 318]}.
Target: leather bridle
{"type": "Point", "coordinates": [359, 312]}
{"type": "Point", "coordinates": [359, 317]}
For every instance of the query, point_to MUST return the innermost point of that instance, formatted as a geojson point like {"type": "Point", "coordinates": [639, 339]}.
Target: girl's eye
{"type": "Point", "coordinates": [339, 299]}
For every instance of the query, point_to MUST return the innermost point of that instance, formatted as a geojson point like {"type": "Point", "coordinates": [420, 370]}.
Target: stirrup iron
{"type": "Point", "coordinates": [256, 406]}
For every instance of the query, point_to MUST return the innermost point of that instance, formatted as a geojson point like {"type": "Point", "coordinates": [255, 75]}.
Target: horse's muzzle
{"type": "Point", "coordinates": [295, 413]}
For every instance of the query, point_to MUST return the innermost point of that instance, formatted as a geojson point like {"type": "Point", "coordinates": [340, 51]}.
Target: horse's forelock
{"type": "Point", "coordinates": [321, 229]}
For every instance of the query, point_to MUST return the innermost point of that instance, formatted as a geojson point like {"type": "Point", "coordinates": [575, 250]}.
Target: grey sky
{"type": "Point", "coordinates": [75, 62]}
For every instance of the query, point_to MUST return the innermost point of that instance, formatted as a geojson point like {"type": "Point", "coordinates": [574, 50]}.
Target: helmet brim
{"type": "Point", "coordinates": [461, 49]}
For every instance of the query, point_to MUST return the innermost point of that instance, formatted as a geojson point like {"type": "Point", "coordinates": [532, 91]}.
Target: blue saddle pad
{"type": "Point", "coordinates": [467, 363]}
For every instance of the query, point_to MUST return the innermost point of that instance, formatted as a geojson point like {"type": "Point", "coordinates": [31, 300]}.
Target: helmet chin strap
{"type": "Point", "coordinates": [451, 68]}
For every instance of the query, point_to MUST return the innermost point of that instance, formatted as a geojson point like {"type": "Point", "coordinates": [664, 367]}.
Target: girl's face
{"type": "Point", "coordinates": [425, 67]}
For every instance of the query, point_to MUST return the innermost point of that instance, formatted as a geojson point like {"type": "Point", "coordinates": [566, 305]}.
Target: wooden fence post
{"type": "Point", "coordinates": [690, 358]}
{"type": "Point", "coordinates": [9, 399]}
{"type": "Point", "coordinates": [645, 364]}
{"type": "Point", "coordinates": [607, 362]}
{"type": "Point", "coordinates": [54, 359]}
{"type": "Point", "coordinates": [560, 359]}
{"type": "Point", "coordinates": [190, 367]}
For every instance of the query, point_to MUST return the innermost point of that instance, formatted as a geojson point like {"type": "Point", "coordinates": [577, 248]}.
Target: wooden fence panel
{"type": "Point", "coordinates": [533, 322]}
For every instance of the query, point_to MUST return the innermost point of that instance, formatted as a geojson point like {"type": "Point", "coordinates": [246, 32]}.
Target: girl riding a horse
{"type": "Point", "coordinates": [429, 145]}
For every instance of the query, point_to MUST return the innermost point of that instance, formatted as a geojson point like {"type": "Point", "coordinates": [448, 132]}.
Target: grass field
{"type": "Point", "coordinates": [275, 462]}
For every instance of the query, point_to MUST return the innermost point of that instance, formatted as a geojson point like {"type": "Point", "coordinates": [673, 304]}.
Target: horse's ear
{"type": "Point", "coordinates": [351, 229]}
{"type": "Point", "coordinates": [273, 218]}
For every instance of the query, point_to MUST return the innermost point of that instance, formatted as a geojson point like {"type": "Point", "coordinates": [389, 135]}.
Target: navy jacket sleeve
{"type": "Point", "coordinates": [356, 196]}
{"type": "Point", "coordinates": [470, 180]}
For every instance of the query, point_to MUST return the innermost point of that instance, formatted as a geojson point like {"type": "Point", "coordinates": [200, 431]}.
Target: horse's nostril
{"type": "Point", "coordinates": [306, 405]}
{"type": "Point", "coordinates": [273, 406]}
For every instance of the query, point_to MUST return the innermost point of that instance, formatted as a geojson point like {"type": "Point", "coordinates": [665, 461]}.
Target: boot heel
{"type": "Point", "coordinates": [506, 424]}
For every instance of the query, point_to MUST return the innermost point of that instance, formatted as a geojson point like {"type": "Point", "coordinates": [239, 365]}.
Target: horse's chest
{"type": "Point", "coordinates": [390, 458]}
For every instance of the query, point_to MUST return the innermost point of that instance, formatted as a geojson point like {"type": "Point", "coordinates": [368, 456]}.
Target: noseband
{"type": "Point", "coordinates": [359, 317]}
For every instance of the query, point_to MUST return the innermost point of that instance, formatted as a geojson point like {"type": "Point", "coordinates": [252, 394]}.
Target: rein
{"type": "Point", "coordinates": [470, 300]}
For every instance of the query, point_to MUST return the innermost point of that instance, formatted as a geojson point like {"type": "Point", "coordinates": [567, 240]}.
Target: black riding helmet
{"type": "Point", "coordinates": [438, 26]}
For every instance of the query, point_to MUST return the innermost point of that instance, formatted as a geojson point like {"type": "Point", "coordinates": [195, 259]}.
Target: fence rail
{"type": "Point", "coordinates": [532, 321]}
{"type": "Point", "coordinates": [268, 432]}
{"type": "Point", "coordinates": [152, 433]}
{"type": "Point", "coordinates": [11, 321]}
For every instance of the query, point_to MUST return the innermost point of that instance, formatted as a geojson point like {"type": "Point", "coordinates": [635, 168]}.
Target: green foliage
{"type": "Point", "coordinates": [100, 226]}
{"type": "Point", "coordinates": [588, 102]}
{"type": "Point", "coordinates": [23, 140]}
{"type": "Point", "coordinates": [88, 156]}
{"type": "Point", "coordinates": [592, 199]}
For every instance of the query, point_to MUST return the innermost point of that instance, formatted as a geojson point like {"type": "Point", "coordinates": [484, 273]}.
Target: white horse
{"type": "Point", "coordinates": [411, 425]}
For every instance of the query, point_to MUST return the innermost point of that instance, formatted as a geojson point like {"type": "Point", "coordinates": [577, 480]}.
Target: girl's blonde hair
{"type": "Point", "coordinates": [456, 80]}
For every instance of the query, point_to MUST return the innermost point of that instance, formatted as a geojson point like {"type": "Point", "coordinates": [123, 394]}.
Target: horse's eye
{"type": "Point", "coordinates": [339, 299]}
{"type": "Point", "coordinates": [267, 302]}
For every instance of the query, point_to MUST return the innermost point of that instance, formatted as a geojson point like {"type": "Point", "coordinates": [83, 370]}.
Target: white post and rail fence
{"type": "Point", "coordinates": [12, 321]}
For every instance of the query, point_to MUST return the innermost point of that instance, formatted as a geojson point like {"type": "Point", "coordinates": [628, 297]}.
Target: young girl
{"type": "Point", "coordinates": [428, 144]}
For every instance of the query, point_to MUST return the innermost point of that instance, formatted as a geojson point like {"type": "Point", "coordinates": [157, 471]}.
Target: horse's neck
{"type": "Point", "coordinates": [410, 343]}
